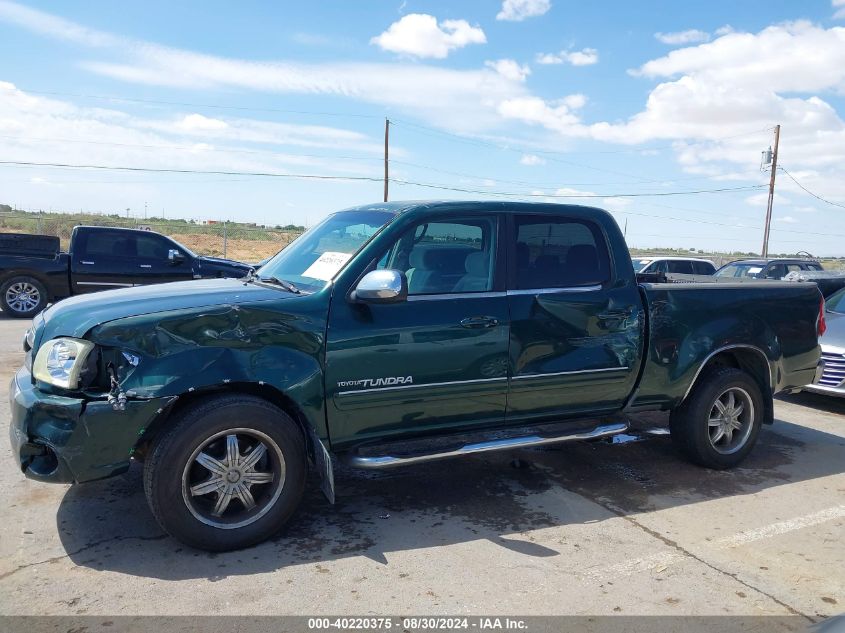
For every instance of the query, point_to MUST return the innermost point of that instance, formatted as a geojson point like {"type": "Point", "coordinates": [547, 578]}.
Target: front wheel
{"type": "Point", "coordinates": [228, 474]}
{"type": "Point", "coordinates": [23, 297]}
{"type": "Point", "coordinates": [718, 424]}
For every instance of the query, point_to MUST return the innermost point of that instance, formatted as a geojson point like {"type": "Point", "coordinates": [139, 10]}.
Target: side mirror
{"type": "Point", "coordinates": [175, 256]}
{"type": "Point", "coordinates": [381, 286]}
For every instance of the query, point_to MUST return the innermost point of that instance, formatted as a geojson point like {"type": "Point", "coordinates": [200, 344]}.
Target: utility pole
{"type": "Point", "coordinates": [765, 252]}
{"type": "Point", "coordinates": [386, 138]}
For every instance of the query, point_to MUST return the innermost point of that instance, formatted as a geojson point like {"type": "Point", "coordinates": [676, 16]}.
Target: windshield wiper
{"type": "Point", "coordinates": [284, 284]}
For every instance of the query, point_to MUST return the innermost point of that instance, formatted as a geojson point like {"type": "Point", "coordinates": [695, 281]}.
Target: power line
{"type": "Point", "coordinates": [529, 150]}
{"type": "Point", "coordinates": [190, 171]}
{"type": "Point", "coordinates": [367, 178]}
{"type": "Point", "coordinates": [198, 105]}
{"type": "Point", "coordinates": [527, 183]}
{"type": "Point", "coordinates": [187, 148]}
{"type": "Point", "coordinates": [575, 195]}
{"type": "Point", "coordinates": [816, 196]}
{"type": "Point", "coordinates": [428, 185]}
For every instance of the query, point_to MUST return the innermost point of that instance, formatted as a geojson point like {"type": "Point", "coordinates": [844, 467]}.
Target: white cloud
{"type": "Point", "coordinates": [518, 10]}
{"type": "Point", "coordinates": [54, 26]}
{"type": "Point", "coordinates": [558, 115]}
{"type": "Point", "coordinates": [509, 69]}
{"type": "Point", "coordinates": [762, 199]}
{"type": "Point", "coordinates": [724, 30]}
{"type": "Point", "coordinates": [193, 122]}
{"type": "Point", "coordinates": [531, 160]}
{"type": "Point", "coordinates": [584, 57]}
{"type": "Point", "coordinates": [465, 100]}
{"type": "Point", "coordinates": [787, 219]}
{"type": "Point", "coordinates": [839, 5]}
{"type": "Point", "coordinates": [35, 127]}
{"type": "Point", "coordinates": [420, 35]}
{"type": "Point", "coordinates": [690, 36]}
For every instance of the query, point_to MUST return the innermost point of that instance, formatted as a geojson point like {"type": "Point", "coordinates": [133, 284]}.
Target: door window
{"type": "Point", "coordinates": [446, 257]}
{"type": "Point", "coordinates": [108, 244]}
{"type": "Point", "coordinates": [703, 268]}
{"type": "Point", "coordinates": [776, 271]}
{"type": "Point", "coordinates": [681, 267]}
{"type": "Point", "coordinates": [152, 247]}
{"type": "Point", "coordinates": [559, 253]}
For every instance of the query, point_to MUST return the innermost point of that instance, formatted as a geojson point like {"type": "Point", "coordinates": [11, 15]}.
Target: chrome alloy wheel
{"type": "Point", "coordinates": [22, 296]}
{"type": "Point", "coordinates": [731, 420]}
{"type": "Point", "coordinates": [233, 478]}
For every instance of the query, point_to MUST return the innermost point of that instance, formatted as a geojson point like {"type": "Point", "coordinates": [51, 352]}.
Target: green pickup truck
{"type": "Point", "coordinates": [387, 335]}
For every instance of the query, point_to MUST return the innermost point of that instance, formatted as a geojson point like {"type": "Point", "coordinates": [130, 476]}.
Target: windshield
{"type": "Point", "coordinates": [836, 302]}
{"type": "Point", "coordinates": [740, 270]}
{"type": "Point", "coordinates": [640, 263]}
{"type": "Point", "coordinates": [318, 254]}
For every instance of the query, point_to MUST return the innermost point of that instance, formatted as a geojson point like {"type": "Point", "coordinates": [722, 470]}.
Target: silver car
{"type": "Point", "coordinates": [830, 378]}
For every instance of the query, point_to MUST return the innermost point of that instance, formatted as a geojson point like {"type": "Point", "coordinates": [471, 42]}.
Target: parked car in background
{"type": "Point", "coordinates": [677, 265]}
{"type": "Point", "coordinates": [795, 270]}
{"type": "Point", "coordinates": [392, 334]}
{"type": "Point", "coordinates": [830, 377]}
{"type": "Point", "coordinates": [767, 268]}
{"type": "Point", "coordinates": [33, 271]}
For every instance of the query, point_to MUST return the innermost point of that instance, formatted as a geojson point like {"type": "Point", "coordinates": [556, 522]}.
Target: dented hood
{"type": "Point", "coordinates": [77, 315]}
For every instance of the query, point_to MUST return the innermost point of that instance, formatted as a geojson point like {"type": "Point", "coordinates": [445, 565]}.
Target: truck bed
{"type": "Point", "coordinates": [687, 323]}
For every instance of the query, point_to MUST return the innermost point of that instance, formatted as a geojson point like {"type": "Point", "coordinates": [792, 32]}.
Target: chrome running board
{"type": "Point", "coordinates": [525, 441]}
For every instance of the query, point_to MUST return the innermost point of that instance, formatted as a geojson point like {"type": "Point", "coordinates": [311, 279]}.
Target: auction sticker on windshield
{"type": "Point", "coordinates": [326, 265]}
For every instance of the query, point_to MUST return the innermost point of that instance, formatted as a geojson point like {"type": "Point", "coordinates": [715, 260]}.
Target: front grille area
{"type": "Point", "coordinates": [834, 370]}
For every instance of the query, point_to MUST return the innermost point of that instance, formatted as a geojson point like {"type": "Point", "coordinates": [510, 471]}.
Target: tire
{"type": "Point", "coordinates": [188, 472]}
{"type": "Point", "coordinates": [709, 434]}
{"type": "Point", "coordinates": [22, 297]}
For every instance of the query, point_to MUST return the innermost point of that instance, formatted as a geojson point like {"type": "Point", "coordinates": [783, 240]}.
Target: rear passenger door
{"type": "Point", "coordinates": [576, 330]}
{"type": "Point", "coordinates": [102, 259]}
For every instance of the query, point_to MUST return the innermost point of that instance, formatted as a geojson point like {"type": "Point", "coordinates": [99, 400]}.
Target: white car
{"type": "Point", "coordinates": [830, 377]}
{"type": "Point", "coordinates": [677, 265]}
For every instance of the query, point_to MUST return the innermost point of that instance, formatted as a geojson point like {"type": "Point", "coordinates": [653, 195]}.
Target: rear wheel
{"type": "Point", "coordinates": [718, 424]}
{"type": "Point", "coordinates": [228, 474]}
{"type": "Point", "coordinates": [23, 297]}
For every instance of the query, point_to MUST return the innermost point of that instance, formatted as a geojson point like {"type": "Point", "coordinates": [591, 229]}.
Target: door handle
{"type": "Point", "coordinates": [87, 263]}
{"type": "Point", "coordinates": [479, 322]}
{"type": "Point", "coordinates": [146, 265]}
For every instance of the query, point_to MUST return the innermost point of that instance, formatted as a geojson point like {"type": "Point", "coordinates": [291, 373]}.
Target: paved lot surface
{"type": "Point", "coordinates": [593, 528]}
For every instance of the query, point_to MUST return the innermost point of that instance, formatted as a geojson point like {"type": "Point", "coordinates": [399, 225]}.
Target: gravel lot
{"type": "Point", "coordinates": [593, 528]}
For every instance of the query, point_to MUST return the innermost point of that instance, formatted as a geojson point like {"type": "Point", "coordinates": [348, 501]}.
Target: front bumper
{"type": "Point", "coordinates": [63, 440]}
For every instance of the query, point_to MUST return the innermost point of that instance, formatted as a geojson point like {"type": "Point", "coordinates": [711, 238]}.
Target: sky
{"type": "Point", "coordinates": [655, 110]}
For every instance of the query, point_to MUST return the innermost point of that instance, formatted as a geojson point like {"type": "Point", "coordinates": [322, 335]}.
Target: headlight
{"type": "Point", "coordinates": [60, 361]}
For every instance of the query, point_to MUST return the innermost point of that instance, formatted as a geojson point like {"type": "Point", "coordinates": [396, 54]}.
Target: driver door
{"type": "Point", "coordinates": [435, 361]}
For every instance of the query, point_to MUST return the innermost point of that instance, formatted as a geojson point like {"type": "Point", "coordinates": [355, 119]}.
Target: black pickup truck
{"type": "Point", "coordinates": [33, 271]}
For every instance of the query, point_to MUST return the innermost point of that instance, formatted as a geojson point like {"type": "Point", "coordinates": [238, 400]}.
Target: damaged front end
{"type": "Point", "coordinates": [76, 437]}
{"type": "Point", "coordinates": [101, 378]}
